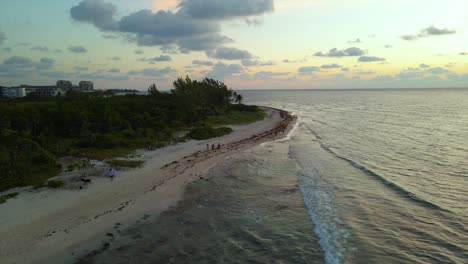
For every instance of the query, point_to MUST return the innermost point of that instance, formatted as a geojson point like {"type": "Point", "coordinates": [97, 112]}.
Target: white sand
{"type": "Point", "coordinates": [55, 226]}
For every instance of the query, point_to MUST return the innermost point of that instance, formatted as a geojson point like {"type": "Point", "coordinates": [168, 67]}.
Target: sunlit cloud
{"type": "Point", "coordinates": [165, 5]}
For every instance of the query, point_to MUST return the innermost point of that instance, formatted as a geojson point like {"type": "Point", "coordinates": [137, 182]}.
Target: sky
{"type": "Point", "coordinates": [248, 44]}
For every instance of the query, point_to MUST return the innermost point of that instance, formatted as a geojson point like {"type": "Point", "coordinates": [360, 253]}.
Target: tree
{"type": "Point", "coordinates": [238, 98]}
{"type": "Point", "coordinates": [153, 90]}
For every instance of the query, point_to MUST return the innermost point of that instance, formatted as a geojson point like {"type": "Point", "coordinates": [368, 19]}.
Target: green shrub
{"type": "Point", "coordinates": [202, 133]}
{"type": "Point", "coordinates": [55, 184]}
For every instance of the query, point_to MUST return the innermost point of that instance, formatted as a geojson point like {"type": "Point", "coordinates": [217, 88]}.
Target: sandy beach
{"type": "Point", "coordinates": [58, 226]}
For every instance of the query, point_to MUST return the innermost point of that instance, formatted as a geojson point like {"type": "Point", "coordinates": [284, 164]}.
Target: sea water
{"type": "Point", "coordinates": [370, 176]}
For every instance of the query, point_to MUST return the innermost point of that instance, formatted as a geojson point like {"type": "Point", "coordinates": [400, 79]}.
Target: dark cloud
{"type": "Point", "coordinates": [187, 30]}
{"type": "Point", "coordinates": [139, 51]}
{"type": "Point", "coordinates": [225, 53]}
{"type": "Point", "coordinates": [349, 52]}
{"type": "Point", "coordinates": [45, 64]}
{"type": "Point", "coordinates": [115, 58]}
{"type": "Point", "coordinates": [464, 53]}
{"type": "Point", "coordinates": [2, 38]}
{"type": "Point", "coordinates": [114, 70]}
{"type": "Point", "coordinates": [427, 32]}
{"type": "Point", "coordinates": [388, 46]}
{"type": "Point", "coordinates": [18, 64]}
{"type": "Point", "coordinates": [222, 71]}
{"type": "Point", "coordinates": [248, 63]}
{"type": "Point", "coordinates": [77, 49]}
{"type": "Point", "coordinates": [40, 48]}
{"type": "Point", "coordinates": [254, 21]}
{"type": "Point", "coordinates": [438, 70]}
{"type": "Point", "coordinates": [370, 59]}
{"type": "Point", "coordinates": [153, 72]}
{"type": "Point", "coordinates": [345, 69]}
{"type": "Point", "coordinates": [331, 66]}
{"type": "Point", "coordinates": [219, 9]}
{"type": "Point", "coordinates": [289, 61]}
{"type": "Point", "coordinates": [58, 51]}
{"type": "Point", "coordinates": [308, 70]}
{"type": "Point", "coordinates": [7, 49]}
{"type": "Point", "coordinates": [202, 63]}
{"type": "Point", "coordinates": [423, 65]}
{"type": "Point", "coordinates": [356, 41]}
{"type": "Point", "coordinates": [97, 12]}
{"type": "Point", "coordinates": [22, 44]}
{"type": "Point", "coordinates": [160, 58]}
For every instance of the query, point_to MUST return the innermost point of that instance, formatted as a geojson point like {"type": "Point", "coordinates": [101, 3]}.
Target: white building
{"type": "Point", "coordinates": [14, 92]}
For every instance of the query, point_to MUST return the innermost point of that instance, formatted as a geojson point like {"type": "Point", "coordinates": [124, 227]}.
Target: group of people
{"type": "Point", "coordinates": [213, 147]}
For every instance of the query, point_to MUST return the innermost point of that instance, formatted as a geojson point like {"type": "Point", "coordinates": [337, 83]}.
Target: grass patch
{"type": "Point", "coordinates": [126, 163]}
{"type": "Point", "coordinates": [55, 184]}
{"type": "Point", "coordinates": [202, 133]}
{"type": "Point", "coordinates": [5, 197]}
{"type": "Point", "coordinates": [235, 118]}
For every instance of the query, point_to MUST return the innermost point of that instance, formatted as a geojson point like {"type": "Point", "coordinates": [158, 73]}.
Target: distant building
{"type": "Point", "coordinates": [86, 86]}
{"type": "Point", "coordinates": [13, 92]}
{"type": "Point", "coordinates": [64, 85]}
{"type": "Point", "coordinates": [43, 91]}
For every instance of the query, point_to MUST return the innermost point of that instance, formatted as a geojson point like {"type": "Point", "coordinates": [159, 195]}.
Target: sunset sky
{"type": "Point", "coordinates": [249, 44]}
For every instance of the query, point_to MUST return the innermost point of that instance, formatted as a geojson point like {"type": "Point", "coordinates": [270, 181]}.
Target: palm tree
{"type": "Point", "coordinates": [238, 98]}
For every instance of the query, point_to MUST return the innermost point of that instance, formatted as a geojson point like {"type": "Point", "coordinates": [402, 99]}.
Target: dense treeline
{"type": "Point", "coordinates": [34, 132]}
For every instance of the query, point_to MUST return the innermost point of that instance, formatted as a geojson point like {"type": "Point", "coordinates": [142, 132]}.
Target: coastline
{"type": "Point", "coordinates": [56, 226]}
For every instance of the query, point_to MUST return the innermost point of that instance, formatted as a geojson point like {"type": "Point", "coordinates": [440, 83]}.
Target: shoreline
{"type": "Point", "coordinates": [56, 226]}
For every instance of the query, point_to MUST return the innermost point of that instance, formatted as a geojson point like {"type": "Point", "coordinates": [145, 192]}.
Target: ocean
{"type": "Point", "coordinates": [365, 176]}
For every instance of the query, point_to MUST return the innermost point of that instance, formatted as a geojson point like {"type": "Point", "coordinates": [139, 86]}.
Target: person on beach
{"type": "Point", "coordinates": [219, 146]}
{"type": "Point", "coordinates": [207, 147]}
{"type": "Point", "coordinates": [212, 147]}
{"type": "Point", "coordinates": [111, 173]}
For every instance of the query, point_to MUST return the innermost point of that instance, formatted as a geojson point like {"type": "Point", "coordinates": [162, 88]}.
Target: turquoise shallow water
{"type": "Point", "coordinates": [364, 177]}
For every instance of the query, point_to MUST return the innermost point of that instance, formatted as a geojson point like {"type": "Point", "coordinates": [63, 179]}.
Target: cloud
{"type": "Point", "coordinates": [139, 51]}
{"type": "Point", "coordinates": [195, 27]}
{"type": "Point", "coordinates": [162, 58]}
{"type": "Point", "coordinates": [345, 69]}
{"type": "Point", "coordinates": [97, 12]}
{"type": "Point", "coordinates": [226, 53]}
{"type": "Point", "coordinates": [7, 49]}
{"type": "Point", "coordinates": [2, 38]}
{"type": "Point", "coordinates": [110, 36]}
{"type": "Point", "coordinates": [427, 32]}
{"type": "Point", "coordinates": [220, 10]}
{"type": "Point", "coordinates": [364, 72]}
{"type": "Point", "coordinates": [331, 66]}
{"type": "Point", "coordinates": [289, 61]}
{"type": "Point", "coordinates": [153, 72]}
{"type": "Point", "coordinates": [254, 21]}
{"type": "Point", "coordinates": [77, 49]}
{"type": "Point", "coordinates": [463, 53]}
{"type": "Point", "coordinates": [45, 64]}
{"type": "Point", "coordinates": [115, 58]}
{"type": "Point", "coordinates": [265, 75]}
{"type": "Point", "coordinates": [78, 68]}
{"type": "Point", "coordinates": [356, 41]}
{"type": "Point", "coordinates": [98, 75]}
{"type": "Point", "coordinates": [423, 65]}
{"type": "Point", "coordinates": [20, 64]}
{"type": "Point", "coordinates": [114, 70]}
{"type": "Point", "coordinates": [438, 70]}
{"type": "Point", "coordinates": [388, 46]}
{"type": "Point", "coordinates": [247, 63]}
{"type": "Point", "coordinates": [308, 70]}
{"type": "Point", "coordinates": [202, 63]}
{"type": "Point", "coordinates": [370, 59]}
{"type": "Point", "coordinates": [353, 51]}
{"type": "Point", "coordinates": [222, 71]}
{"type": "Point", "coordinates": [40, 48]}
